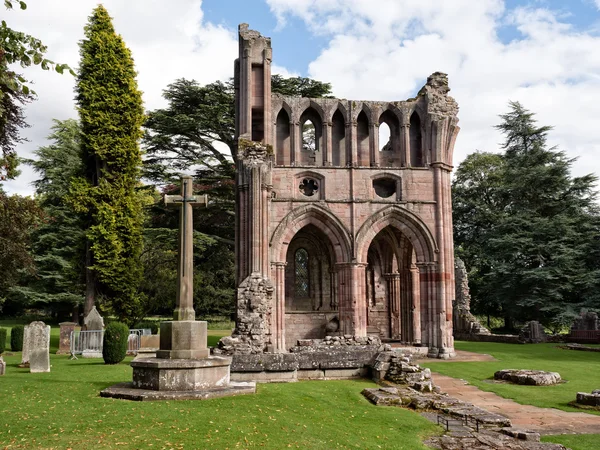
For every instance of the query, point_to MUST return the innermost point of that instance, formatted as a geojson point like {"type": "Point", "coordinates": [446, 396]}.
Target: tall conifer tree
{"type": "Point", "coordinates": [111, 116]}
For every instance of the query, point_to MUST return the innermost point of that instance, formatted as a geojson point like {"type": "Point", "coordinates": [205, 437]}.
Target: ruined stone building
{"type": "Point", "coordinates": [337, 232]}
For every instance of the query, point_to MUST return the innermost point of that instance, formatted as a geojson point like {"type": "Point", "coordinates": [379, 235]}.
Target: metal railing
{"type": "Point", "coordinates": [91, 341]}
{"type": "Point", "coordinates": [86, 341]}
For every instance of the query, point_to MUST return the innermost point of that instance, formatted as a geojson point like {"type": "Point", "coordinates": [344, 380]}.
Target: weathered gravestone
{"type": "Point", "coordinates": [26, 346]}
{"type": "Point", "coordinates": [39, 347]}
{"type": "Point", "coordinates": [91, 337]}
{"type": "Point", "coordinates": [2, 366]}
{"type": "Point", "coordinates": [533, 333]}
{"type": "Point", "coordinates": [64, 343]}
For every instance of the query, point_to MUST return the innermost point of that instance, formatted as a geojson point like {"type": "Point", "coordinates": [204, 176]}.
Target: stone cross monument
{"type": "Point", "coordinates": [185, 288]}
{"type": "Point", "coordinates": [184, 337]}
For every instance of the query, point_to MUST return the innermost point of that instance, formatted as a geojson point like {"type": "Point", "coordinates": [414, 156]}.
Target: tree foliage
{"type": "Point", "coordinates": [525, 226]}
{"type": "Point", "coordinates": [17, 48]}
{"type": "Point", "coordinates": [19, 217]}
{"type": "Point", "coordinates": [196, 132]}
{"type": "Point", "coordinates": [111, 115]}
{"type": "Point", "coordinates": [59, 242]}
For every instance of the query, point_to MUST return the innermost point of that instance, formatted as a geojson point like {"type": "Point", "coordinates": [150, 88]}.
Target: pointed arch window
{"type": "Point", "coordinates": [301, 275]}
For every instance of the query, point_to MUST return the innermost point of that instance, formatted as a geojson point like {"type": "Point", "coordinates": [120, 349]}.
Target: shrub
{"type": "Point", "coordinates": [16, 338]}
{"type": "Point", "coordinates": [2, 340]}
{"type": "Point", "coordinates": [152, 324]}
{"type": "Point", "coordinates": [114, 345]}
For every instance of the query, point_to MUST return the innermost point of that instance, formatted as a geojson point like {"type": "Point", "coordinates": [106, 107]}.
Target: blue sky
{"type": "Point", "coordinates": [543, 53]}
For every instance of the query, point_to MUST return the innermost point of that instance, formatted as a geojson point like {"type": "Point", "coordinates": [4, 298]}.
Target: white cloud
{"type": "Point", "coordinates": [385, 51]}
{"type": "Point", "coordinates": [167, 40]}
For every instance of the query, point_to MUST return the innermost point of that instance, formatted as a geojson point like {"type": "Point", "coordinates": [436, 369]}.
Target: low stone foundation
{"type": "Point", "coordinates": [593, 399]}
{"type": "Point", "coordinates": [528, 377]}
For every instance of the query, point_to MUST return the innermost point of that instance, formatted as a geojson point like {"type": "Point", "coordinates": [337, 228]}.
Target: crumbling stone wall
{"type": "Point", "coordinates": [463, 320]}
{"type": "Point", "coordinates": [586, 321]}
{"type": "Point", "coordinates": [253, 323]}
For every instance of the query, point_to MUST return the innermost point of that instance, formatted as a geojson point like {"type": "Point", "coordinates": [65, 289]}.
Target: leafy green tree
{"type": "Point", "coordinates": [111, 115]}
{"type": "Point", "coordinates": [196, 132]}
{"type": "Point", "coordinates": [19, 217]}
{"type": "Point", "coordinates": [525, 226]}
{"type": "Point", "coordinates": [17, 48]}
{"type": "Point", "coordinates": [58, 243]}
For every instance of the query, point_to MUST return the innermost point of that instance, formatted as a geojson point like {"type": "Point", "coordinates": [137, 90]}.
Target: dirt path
{"type": "Point", "coordinates": [542, 420]}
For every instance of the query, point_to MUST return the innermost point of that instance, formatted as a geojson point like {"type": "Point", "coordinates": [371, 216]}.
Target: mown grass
{"type": "Point", "coordinates": [62, 409]}
{"type": "Point", "coordinates": [579, 369]}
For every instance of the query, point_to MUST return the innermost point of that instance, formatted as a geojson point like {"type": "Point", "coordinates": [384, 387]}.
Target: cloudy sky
{"type": "Point", "coordinates": [543, 53]}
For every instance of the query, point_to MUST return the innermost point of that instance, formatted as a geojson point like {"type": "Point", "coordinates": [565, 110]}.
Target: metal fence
{"type": "Point", "coordinates": [134, 339]}
{"type": "Point", "coordinates": [90, 342]}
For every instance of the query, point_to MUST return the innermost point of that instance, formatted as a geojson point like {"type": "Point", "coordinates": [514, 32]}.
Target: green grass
{"type": "Point", "coordinates": [579, 369]}
{"type": "Point", "coordinates": [62, 409]}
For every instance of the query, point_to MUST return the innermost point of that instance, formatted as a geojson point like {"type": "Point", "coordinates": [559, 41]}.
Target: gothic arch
{"type": "Point", "coordinates": [405, 221]}
{"type": "Point", "coordinates": [321, 218]}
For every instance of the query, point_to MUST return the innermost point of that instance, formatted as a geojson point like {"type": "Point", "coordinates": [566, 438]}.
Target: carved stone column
{"type": "Point", "coordinates": [352, 134]}
{"type": "Point", "coordinates": [327, 144]}
{"type": "Point", "coordinates": [405, 144]}
{"type": "Point", "coordinates": [416, 304]}
{"type": "Point", "coordinates": [278, 324]}
{"type": "Point", "coordinates": [374, 144]}
{"type": "Point", "coordinates": [352, 296]}
{"type": "Point", "coordinates": [296, 143]}
{"type": "Point", "coordinates": [394, 289]}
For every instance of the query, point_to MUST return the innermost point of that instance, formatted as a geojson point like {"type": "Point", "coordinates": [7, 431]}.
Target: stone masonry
{"type": "Point", "coordinates": [344, 229]}
{"type": "Point", "coordinates": [464, 321]}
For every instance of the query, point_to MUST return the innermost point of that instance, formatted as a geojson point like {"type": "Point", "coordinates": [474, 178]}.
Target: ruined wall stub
{"type": "Point", "coordinates": [378, 213]}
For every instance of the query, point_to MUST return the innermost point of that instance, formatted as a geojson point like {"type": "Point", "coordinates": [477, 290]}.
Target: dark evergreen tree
{"type": "Point", "coordinates": [59, 242]}
{"type": "Point", "coordinates": [526, 226]}
{"type": "Point", "coordinates": [111, 115]}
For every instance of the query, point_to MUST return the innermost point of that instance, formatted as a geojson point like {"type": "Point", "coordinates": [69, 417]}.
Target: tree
{"type": "Point", "coordinates": [197, 128]}
{"type": "Point", "coordinates": [58, 243]}
{"type": "Point", "coordinates": [111, 115]}
{"type": "Point", "coordinates": [525, 226]}
{"type": "Point", "coordinates": [196, 132]}
{"type": "Point", "coordinates": [17, 48]}
{"type": "Point", "coordinates": [19, 217]}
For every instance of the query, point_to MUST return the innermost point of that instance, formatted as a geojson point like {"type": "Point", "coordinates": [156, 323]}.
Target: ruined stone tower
{"type": "Point", "coordinates": [335, 232]}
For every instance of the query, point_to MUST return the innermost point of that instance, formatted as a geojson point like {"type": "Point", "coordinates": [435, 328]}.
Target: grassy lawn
{"type": "Point", "coordinates": [579, 369]}
{"type": "Point", "coordinates": [62, 409]}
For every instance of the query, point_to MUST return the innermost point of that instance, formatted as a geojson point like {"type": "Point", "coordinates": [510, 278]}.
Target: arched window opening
{"type": "Point", "coordinates": [311, 128]}
{"type": "Point", "coordinates": [362, 131]}
{"type": "Point", "coordinates": [282, 131]}
{"type": "Point", "coordinates": [416, 144]}
{"type": "Point", "coordinates": [309, 141]}
{"type": "Point", "coordinates": [301, 273]}
{"type": "Point", "coordinates": [338, 138]}
{"type": "Point", "coordinates": [385, 141]}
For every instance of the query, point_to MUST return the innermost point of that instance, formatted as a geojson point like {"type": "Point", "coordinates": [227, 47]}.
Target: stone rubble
{"type": "Point", "coordinates": [464, 322]}
{"type": "Point", "coordinates": [528, 377]}
{"type": "Point", "coordinates": [495, 431]}
{"type": "Point", "coordinates": [593, 399]}
{"type": "Point", "coordinates": [399, 369]}
{"type": "Point", "coordinates": [315, 345]}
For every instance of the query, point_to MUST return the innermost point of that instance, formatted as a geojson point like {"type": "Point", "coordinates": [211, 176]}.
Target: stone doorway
{"type": "Point", "coordinates": [392, 287]}
{"type": "Point", "coordinates": [310, 285]}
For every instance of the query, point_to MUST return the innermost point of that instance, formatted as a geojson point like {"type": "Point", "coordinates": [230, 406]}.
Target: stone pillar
{"type": "Point", "coordinates": [394, 292]}
{"type": "Point", "coordinates": [278, 324]}
{"type": "Point", "coordinates": [416, 304]}
{"type": "Point", "coordinates": [352, 133]}
{"type": "Point", "coordinates": [353, 307]}
{"type": "Point", "coordinates": [64, 343]}
{"type": "Point", "coordinates": [405, 144]}
{"type": "Point", "coordinates": [327, 144]}
{"type": "Point", "coordinates": [374, 144]}
{"type": "Point", "coordinates": [2, 366]}
{"type": "Point", "coordinates": [296, 143]}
